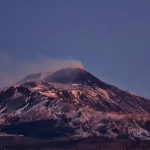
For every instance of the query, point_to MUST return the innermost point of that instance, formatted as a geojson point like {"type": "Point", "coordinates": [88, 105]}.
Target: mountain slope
{"type": "Point", "coordinates": [73, 103]}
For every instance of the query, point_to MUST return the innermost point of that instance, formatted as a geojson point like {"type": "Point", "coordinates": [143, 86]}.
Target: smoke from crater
{"type": "Point", "coordinates": [12, 70]}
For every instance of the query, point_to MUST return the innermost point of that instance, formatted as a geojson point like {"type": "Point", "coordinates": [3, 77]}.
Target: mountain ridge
{"type": "Point", "coordinates": [73, 103]}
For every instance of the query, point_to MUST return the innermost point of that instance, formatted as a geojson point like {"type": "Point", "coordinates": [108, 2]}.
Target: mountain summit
{"type": "Point", "coordinates": [66, 75]}
{"type": "Point", "coordinates": [72, 75]}
{"type": "Point", "coordinates": [72, 103]}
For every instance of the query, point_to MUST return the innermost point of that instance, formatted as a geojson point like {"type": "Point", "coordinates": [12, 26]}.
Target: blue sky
{"type": "Point", "coordinates": [110, 38]}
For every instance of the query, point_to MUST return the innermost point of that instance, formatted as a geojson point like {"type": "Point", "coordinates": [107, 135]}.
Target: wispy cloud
{"type": "Point", "coordinates": [12, 69]}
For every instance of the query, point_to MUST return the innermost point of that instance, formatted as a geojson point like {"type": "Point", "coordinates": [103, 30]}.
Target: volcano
{"type": "Point", "coordinates": [72, 103]}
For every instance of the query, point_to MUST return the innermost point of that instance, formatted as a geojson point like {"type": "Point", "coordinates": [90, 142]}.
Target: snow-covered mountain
{"type": "Point", "coordinates": [72, 103]}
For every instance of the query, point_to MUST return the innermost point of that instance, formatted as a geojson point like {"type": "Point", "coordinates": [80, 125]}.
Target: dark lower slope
{"type": "Point", "coordinates": [40, 129]}
{"type": "Point", "coordinates": [130, 128]}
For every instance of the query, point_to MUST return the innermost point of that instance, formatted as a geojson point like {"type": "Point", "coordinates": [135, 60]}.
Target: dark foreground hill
{"type": "Point", "coordinates": [94, 143]}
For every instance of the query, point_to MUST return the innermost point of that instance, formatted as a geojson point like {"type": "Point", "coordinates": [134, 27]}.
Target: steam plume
{"type": "Point", "coordinates": [17, 69]}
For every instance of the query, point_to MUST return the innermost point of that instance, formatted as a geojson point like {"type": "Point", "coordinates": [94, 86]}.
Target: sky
{"type": "Point", "coordinates": [111, 38]}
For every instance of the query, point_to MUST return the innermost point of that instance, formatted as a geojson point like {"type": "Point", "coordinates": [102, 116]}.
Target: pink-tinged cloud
{"type": "Point", "coordinates": [17, 69]}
